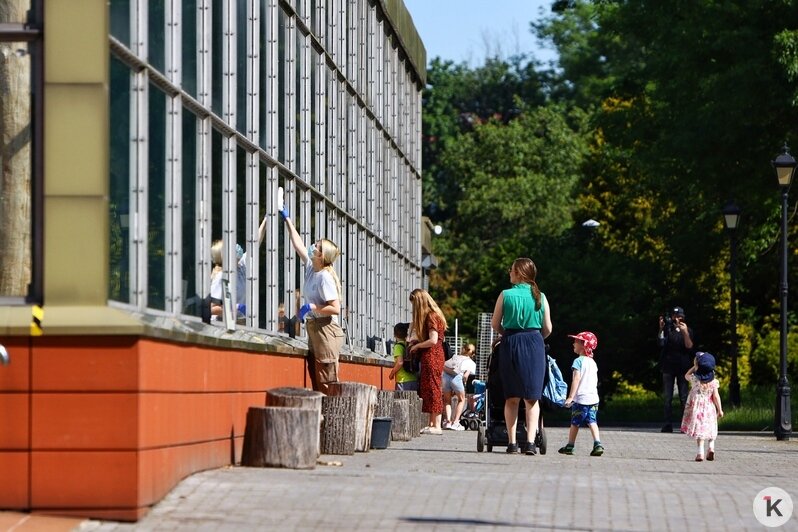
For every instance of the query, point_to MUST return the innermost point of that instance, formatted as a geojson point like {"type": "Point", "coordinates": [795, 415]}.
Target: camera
{"type": "Point", "coordinates": [670, 324]}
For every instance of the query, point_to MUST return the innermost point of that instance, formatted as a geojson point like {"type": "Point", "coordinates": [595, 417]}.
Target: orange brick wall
{"type": "Point", "coordinates": [105, 427]}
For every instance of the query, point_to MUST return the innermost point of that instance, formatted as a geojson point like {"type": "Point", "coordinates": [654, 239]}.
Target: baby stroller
{"type": "Point", "coordinates": [494, 431]}
{"type": "Point", "coordinates": [475, 415]}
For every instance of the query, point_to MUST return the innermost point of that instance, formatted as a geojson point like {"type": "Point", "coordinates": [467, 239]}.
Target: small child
{"type": "Point", "coordinates": [583, 398]}
{"type": "Point", "coordinates": [703, 407]}
{"type": "Point", "coordinates": [405, 380]}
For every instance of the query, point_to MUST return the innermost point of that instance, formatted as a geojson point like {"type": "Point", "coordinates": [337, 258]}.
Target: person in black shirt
{"type": "Point", "coordinates": [676, 342]}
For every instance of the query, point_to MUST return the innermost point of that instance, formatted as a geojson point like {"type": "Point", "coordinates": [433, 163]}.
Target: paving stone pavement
{"type": "Point", "coordinates": [645, 480]}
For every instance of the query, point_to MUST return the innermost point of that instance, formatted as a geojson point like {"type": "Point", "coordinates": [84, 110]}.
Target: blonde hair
{"type": "Point", "coordinates": [469, 350]}
{"type": "Point", "coordinates": [329, 254]}
{"type": "Point", "coordinates": [216, 256]}
{"type": "Point", "coordinates": [423, 305]}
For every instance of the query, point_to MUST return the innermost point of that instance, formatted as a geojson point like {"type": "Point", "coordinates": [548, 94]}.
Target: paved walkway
{"type": "Point", "coordinates": [645, 481]}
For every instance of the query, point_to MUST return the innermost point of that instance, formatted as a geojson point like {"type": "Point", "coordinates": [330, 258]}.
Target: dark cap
{"type": "Point", "coordinates": [679, 311]}
{"type": "Point", "coordinates": [706, 367]}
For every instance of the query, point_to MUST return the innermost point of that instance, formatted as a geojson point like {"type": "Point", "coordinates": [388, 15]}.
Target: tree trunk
{"type": "Point", "coordinates": [297, 397]}
{"type": "Point", "coordinates": [15, 158]}
{"type": "Point", "coordinates": [401, 427]}
{"type": "Point", "coordinates": [366, 396]}
{"type": "Point", "coordinates": [281, 436]}
{"type": "Point", "coordinates": [338, 425]}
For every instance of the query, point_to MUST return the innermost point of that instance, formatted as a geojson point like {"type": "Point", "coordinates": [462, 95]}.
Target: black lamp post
{"type": "Point", "coordinates": [731, 216]}
{"type": "Point", "coordinates": [785, 168]}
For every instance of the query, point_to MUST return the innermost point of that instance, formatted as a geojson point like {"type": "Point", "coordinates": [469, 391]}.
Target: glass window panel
{"type": "Point", "coordinates": [119, 279]}
{"type": "Point", "coordinates": [119, 20]}
{"type": "Point", "coordinates": [156, 31]}
{"type": "Point", "coordinates": [15, 12]}
{"type": "Point", "coordinates": [156, 189]}
{"type": "Point", "coordinates": [16, 170]}
{"type": "Point", "coordinates": [190, 260]}
{"type": "Point", "coordinates": [189, 37]}
{"type": "Point", "coordinates": [216, 186]}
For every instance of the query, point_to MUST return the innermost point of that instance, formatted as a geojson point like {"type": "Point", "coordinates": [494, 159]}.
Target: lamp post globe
{"type": "Point", "coordinates": [731, 217]}
{"type": "Point", "coordinates": [784, 166]}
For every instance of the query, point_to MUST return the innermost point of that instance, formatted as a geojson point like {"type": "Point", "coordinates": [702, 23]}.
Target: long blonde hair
{"type": "Point", "coordinates": [423, 305]}
{"type": "Point", "coordinates": [329, 254]}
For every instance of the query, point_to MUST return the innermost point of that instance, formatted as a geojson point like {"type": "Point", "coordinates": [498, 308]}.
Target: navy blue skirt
{"type": "Point", "coordinates": [522, 363]}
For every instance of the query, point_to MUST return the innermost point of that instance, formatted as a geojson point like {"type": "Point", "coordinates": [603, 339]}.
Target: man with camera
{"type": "Point", "coordinates": [676, 342]}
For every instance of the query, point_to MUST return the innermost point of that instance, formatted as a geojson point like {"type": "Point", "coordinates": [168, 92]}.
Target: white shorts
{"type": "Point", "coordinates": [452, 383]}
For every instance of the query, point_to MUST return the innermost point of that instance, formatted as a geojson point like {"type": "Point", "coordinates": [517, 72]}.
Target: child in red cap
{"type": "Point", "coordinates": [583, 396]}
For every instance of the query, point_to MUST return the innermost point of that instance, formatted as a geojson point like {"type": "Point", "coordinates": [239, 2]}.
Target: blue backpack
{"type": "Point", "coordinates": [555, 390]}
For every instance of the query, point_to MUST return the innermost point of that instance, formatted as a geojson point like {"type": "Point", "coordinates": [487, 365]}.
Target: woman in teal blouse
{"type": "Point", "coordinates": [523, 319]}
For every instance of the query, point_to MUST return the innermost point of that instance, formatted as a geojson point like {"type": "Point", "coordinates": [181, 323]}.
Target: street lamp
{"type": "Point", "coordinates": [785, 168]}
{"type": "Point", "coordinates": [731, 216]}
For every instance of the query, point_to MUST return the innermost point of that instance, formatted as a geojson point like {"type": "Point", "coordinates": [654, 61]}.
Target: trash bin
{"type": "Point", "coordinates": [380, 432]}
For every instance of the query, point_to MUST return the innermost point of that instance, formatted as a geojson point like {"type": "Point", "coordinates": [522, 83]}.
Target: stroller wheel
{"type": "Point", "coordinates": [473, 424]}
{"type": "Point", "coordinates": [540, 440]}
{"type": "Point", "coordinates": [481, 439]}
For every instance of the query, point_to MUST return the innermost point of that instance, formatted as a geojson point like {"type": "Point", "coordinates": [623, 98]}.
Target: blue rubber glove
{"type": "Point", "coordinates": [242, 309]}
{"type": "Point", "coordinates": [284, 213]}
{"type": "Point", "coordinates": [303, 310]}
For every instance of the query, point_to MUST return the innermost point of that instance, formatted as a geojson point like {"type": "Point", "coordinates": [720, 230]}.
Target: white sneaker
{"type": "Point", "coordinates": [457, 426]}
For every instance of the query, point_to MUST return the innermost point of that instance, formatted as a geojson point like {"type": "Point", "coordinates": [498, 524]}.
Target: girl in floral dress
{"type": "Point", "coordinates": [703, 408]}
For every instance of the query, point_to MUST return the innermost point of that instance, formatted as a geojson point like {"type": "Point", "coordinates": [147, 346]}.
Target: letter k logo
{"type": "Point", "coordinates": [772, 506]}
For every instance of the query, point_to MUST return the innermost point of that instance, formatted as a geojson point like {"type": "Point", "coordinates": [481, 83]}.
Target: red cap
{"type": "Point", "coordinates": [588, 339]}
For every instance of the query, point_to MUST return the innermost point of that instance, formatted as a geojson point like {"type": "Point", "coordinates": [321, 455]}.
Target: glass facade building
{"type": "Point", "coordinates": [137, 133]}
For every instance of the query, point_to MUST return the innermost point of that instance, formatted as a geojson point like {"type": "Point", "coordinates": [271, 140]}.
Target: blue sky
{"type": "Point", "coordinates": [470, 30]}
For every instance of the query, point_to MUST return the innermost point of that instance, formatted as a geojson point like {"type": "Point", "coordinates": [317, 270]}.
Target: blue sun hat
{"type": "Point", "coordinates": [706, 367]}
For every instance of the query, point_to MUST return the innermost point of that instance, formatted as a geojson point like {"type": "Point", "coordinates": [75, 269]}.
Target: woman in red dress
{"type": "Point", "coordinates": [429, 326]}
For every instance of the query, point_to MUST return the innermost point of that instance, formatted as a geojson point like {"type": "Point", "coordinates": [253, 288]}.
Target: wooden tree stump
{"type": "Point", "coordinates": [366, 396]}
{"type": "Point", "coordinates": [418, 419]}
{"type": "Point", "coordinates": [338, 425]}
{"type": "Point", "coordinates": [281, 437]}
{"type": "Point", "coordinates": [400, 426]}
{"type": "Point", "coordinates": [297, 397]}
{"type": "Point", "coordinates": [384, 403]}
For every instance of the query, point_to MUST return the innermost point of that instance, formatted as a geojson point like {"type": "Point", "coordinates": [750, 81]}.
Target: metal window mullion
{"type": "Point", "coordinates": [359, 177]}
{"type": "Point", "coordinates": [343, 34]}
{"type": "Point", "coordinates": [253, 70]}
{"type": "Point", "coordinates": [253, 178]}
{"type": "Point", "coordinates": [173, 208]}
{"type": "Point", "coordinates": [138, 190]}
{"type": "Point", "coordinates": [174, 173]}
{"type": "Point", "coordinates": [331, 175]}
{"type": "Point", "coordinates": [343, 138]}
{"type": "Point", "coordinates": [320, 159]}
{"type": "Point", "coordinates": [273, 297]}
{"type": "Point", "coordinates": [229, 63]}
{"type": "Point", "coordinates": [138, 28]}
{"type": "Point", "coordinates": [202, 231]}
{"type": "Point", "coordinates": [291, 260]}
{"type": "Point", "coordinates": [305, 96]}
{"type": "Point", "coordinates": [204, 64]}
{"type": "Point", "coordinates": [320, 28]}
{"type": "Point", "coordinates": [271, 27]}
{"type": "Point", "coordinates": [253, 243]}
{"type": "Point", "coordinates": [229, 214]}
{"type": "Point", "coordinates": [289, 94]}
{"type": "Point", "coordinates": [379, 112]}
